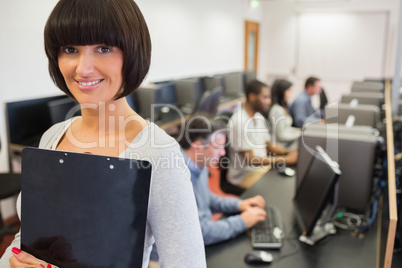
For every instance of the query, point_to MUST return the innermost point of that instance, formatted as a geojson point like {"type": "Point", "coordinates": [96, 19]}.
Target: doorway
{"type": "Point", "coordinates": [251, 46]}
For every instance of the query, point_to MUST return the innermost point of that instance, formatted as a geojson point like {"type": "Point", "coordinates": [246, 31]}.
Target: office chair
{"type": "Point", "coordinates": [215, 100]}
{"type": "Point", "coordinates": [10, 185]}
{"type": "Point", "coordinates": [225, 185]}
{"type": "Point", "coordinates": [204, 104]}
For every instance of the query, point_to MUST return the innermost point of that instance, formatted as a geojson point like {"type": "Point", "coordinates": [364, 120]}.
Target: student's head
{"type": "Point", "coordinates": [281, 92]}
{"type": "Point", "coordinates": [258, 95]}
{"type": "Point", "coordinates": [312, 86]}
{"type": "Point", "coordinates": [116, 23]}
{"type": "Point", "coordinates": [204, 139]}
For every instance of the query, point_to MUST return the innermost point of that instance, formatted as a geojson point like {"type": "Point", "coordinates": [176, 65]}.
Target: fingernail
{"type": "Point", "coordinates": [48, 266]}
{"type": "Point", "coordinates": [16, 250]}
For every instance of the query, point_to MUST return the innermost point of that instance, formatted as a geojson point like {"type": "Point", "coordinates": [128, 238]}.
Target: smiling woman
{"type": "Point", "coordinates": [99, 52]}
{"type": "Point", "coordinates": [92, 69]}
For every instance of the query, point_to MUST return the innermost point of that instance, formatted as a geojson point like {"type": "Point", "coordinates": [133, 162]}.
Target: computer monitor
{"type": "Point", "coordinates": [189, 92]}
{"type": "Point", "coordinates": [153, 98]}
{"type": "Point", "coordinates": [211, 82]}
{"type": "Point", "coordinates": [316, 193]}
{"type": "Point", "coordinates": [63, 109]}
{"type": "Point", "coordinates": [372, 98]}
{"type": "Point", "coordinates": [233, 84]}
{"type": "Point", "coordinates": [367, 86]}
{"type": "Point", "coordinates": [347, 148]}
{"type": "Point", "coordinates": [365, 114]}
{"type": "Point", "coordinates": [27, 120]}
{"type": "Point", "coordinates": [249, 76]}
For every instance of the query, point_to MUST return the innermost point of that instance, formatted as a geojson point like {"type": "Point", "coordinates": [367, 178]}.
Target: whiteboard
{"type": "Point", "coordinates": [341, 45]}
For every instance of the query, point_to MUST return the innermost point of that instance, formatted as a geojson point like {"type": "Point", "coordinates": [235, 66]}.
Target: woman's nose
{"type": "Point", "coordinates": [85, 65]}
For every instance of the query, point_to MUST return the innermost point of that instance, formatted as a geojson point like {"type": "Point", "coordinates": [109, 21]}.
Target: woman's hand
{"type": "Point", "coordinates": [22, 259]}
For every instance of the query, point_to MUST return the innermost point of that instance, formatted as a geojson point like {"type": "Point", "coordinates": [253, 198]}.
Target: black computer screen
{"type": "Point", "coordinates": [166, 94]}
{"type": "Point", "coordinates": [63, 109]}
{"type": "Point", "coordinates": [315, 191]}
{"type": "Point", "coordinates": [28, 119]}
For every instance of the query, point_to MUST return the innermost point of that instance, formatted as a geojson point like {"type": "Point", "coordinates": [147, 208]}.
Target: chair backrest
{"type": "Point", "coordinates": [215, 100]}
{"type": "Point", "coordinates": [225, 185]}
{"type": "Point", "coordinates": [205, 102]}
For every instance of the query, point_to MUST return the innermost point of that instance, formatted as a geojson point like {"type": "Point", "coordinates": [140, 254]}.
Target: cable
{"type": "Point", "coordinates": [295, 245]}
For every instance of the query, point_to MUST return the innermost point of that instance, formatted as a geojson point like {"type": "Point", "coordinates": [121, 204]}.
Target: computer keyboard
{"type": "Point", "coordinates": [268, 233]}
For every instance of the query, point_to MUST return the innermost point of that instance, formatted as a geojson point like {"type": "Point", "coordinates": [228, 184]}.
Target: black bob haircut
{"type": "Point", "coordinates": [118, 23]}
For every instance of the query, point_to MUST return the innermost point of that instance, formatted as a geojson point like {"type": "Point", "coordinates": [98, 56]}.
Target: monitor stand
{"type": "Point", "coordinates": [323, 227]}
{"type": "Point", "coordinates": [320, 231]}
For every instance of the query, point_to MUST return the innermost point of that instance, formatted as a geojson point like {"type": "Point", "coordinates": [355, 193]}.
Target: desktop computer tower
{"type": "Point", "coordinates": [355, 154]}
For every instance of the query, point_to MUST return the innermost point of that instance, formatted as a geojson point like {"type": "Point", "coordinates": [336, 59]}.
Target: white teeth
{"type": "Point", "coordinates": [85, 84]}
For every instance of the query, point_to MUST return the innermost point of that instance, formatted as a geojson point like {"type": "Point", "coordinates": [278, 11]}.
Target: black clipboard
{"type": "Point", "coordinates": [83, 210]}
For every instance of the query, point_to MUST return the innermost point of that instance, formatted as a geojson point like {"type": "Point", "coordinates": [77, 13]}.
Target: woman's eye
{"type": "Point", "coordinates": [104, 49]}
{"type": "Point", "coordinates": [69, 50]}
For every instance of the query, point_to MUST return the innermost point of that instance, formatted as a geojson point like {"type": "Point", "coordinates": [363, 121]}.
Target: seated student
{"type": "Point", "coordinates": [301, 109]}
{"type": "Point", "coordinates": [202, 145]}
{"type": "Point", "coordinates": [251, 149]}
{"type": "Point", "coordinates": [279, 118]}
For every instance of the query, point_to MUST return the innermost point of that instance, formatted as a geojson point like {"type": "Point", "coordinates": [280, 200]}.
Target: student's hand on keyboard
{"type": "Point", "coordinates": [256, 201]}
{"type": "Point", "coordinates": [253, 215]}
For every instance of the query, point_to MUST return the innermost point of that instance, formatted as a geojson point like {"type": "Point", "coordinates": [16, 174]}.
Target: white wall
{"type": "Point", "coordinates": [283, 38]}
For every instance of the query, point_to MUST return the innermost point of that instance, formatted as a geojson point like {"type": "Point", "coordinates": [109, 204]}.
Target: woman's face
{"type": "Point", "coordinates": [92, 73]}
{"type": "Point", "coordinates": [287, 95]}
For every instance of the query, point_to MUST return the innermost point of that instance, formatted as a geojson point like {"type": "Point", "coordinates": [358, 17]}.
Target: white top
{"type": "Point", "coordinates": [281, 126]}
{"type": "Point", "coordinates": [246, 133]}
{"type": "Point", "coordinates": [172, 221]}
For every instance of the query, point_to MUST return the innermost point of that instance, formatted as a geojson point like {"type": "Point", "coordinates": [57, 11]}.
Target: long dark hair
{"type": "Point", "coordinates": [278, 90]}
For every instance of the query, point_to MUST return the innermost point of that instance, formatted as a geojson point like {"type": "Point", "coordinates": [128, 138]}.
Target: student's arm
{"type": "Point", "coordinates": [220, 204]}
{"type": "Point", "coordinates": [224, 229]}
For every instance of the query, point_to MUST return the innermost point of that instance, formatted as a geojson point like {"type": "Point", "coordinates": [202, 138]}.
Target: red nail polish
{"type": "Point", "coordinates": [48, 266]}
{"type": "Point", "coordinates": [16, 250]}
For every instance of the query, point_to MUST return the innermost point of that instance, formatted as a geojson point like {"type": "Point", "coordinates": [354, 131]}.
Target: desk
{"type": "Point", "coordinates": [339, 250]}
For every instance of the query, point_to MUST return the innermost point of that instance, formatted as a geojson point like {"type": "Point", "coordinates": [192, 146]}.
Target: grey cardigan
{"type": "Point", "coordinates": [172, 213]}
{"type": "Point", "coordinates": [280, 122]}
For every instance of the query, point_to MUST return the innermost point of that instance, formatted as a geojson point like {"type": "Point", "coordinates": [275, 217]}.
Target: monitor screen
{"type": "Point", "coordinates": [27, 120]}
{"type": "Point", "coordinates": [63, 109]}
{"type": "Point", "coordinates": [166, 94]}
{"type": "Point", "coordinates": [315, 191]}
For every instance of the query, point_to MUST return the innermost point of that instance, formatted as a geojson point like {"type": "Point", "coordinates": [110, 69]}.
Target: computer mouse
{"type": "Point", "coordinates": [288, 172]}
{"type": "Point", "coordinates": [258, 257]}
